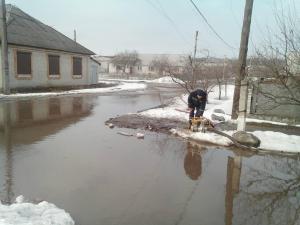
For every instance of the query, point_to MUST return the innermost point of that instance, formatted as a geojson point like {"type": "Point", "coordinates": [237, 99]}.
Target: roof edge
{"type": "Point", "coordinates": [53, 49]}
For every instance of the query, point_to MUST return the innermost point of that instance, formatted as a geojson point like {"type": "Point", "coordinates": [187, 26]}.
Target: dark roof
{"type": "Point", "coordinates": [25, 30]}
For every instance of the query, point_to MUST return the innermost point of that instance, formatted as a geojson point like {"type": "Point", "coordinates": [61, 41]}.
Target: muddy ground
{"type": "Point", "coordinates": [136, 121]}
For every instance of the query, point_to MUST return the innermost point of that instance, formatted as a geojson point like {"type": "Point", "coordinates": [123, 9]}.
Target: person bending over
{"type": "Point", "coordinates": [197, 101]}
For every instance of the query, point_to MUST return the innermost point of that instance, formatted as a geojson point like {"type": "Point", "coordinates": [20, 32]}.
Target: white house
{"type": "Point", "coordinates": [104, 61]}
{"type": "Point", "coordinates": [145, 66]}
{"type": "Point", "coordinates": [40, 56]}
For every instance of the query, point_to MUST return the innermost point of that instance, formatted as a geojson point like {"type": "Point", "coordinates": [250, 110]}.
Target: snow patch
{"type": "Point", "coordinates": [278, 141]}
{"type": "Point", "coordinates": [167, 80]}
{"type": "Point", "coordinates": [120, 87]}
{"type": "Point", "coordinates": [43, 213]}
{"type": "Point", "coordinates": [205, 137]}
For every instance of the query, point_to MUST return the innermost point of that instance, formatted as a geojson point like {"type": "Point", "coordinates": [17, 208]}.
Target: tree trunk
{"type": "Point", "coordinates": [220, 90]}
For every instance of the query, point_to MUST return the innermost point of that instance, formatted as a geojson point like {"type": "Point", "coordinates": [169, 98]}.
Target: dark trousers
{"type": "Point", "coordinates": [199, 110]}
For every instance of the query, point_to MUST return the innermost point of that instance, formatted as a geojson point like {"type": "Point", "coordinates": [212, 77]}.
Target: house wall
{"type": "Point", "coordinates": [144, 70]}
{"type": "Point", "coordinates": [112, 68]}
{"type": "Point", "coordinates": [39, 76]}
{"type": "Point", "coordinates": [94, 71]}
{"type": "Point", "coordinates": [104, 67]}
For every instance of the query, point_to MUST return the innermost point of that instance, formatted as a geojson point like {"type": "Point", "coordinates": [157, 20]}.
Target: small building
{"type": "Point", "coordinates": [40, 56]}
{"type": "Point", "coordinates": [145, 67]}
{"type": "Point", "coordinates": [104, 61]}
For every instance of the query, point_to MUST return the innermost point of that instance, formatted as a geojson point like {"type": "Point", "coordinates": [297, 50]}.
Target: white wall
{"type": "Point", "coordinates": [39, 68]}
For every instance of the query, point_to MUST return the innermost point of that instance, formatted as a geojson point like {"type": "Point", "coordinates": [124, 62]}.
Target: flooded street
{"type": "Point", "coordinates": [59, 150]}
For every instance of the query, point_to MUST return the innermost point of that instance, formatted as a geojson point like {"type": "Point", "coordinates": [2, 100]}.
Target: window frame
{"type": "Point", "coordinates": [53, 76]}
{"type": "Point", "coordinates": [77, 76]}
{"type": "Point", "coordinates": [21, 76]}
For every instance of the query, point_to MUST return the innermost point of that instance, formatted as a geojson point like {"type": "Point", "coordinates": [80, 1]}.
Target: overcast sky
{"type": "Point", "coordinates": [155, 26]}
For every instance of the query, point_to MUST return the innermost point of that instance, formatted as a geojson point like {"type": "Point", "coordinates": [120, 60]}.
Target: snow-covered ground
{"type": "Point", "coordinates": [161, 80]}
{"type": "Point", "coordinates": [166, 80]}
{"type": "Point", "coordinates": [178, 110]}
{"type": "Point", "coordinates": [120, 87]}
{"type": "Point", "coordinates": [43, 213]}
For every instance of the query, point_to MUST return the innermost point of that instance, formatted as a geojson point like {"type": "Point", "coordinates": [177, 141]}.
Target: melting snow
{"type": "Point", "coordinates": [120, 87]}
{"type": "Point", "coordinates": [43, 213]}
{"type": "Point", "coordinates": [178, 110]}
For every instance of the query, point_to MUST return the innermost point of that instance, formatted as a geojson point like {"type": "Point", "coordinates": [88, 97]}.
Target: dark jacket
{"type": "Point", "coordinates": [197, 98]}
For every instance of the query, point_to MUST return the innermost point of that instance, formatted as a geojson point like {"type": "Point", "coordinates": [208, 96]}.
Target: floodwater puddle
{"type": "Point", "coordinates": [59, 150]}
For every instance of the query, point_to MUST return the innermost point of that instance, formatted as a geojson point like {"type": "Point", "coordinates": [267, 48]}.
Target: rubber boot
{"type": "Point", "coordinates": [190, 124]}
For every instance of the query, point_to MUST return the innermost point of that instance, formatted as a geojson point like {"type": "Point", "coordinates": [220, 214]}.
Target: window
{"type": "Point", "coordinates": [24, 63]}
{"type": "Point", "coordinates": [77, 66]}
{"type": "Point", "coordinates": [53, 64]}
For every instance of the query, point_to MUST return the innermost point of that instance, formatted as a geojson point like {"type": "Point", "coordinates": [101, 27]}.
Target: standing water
{"type": "Point", "coordinates": [59, 150]}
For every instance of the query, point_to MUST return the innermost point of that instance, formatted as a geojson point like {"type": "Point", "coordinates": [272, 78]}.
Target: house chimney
{"type": "Point", "coordinates": [74, 35]}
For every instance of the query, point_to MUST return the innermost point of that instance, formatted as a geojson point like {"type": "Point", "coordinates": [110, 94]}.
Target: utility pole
{"type": "Point", "coordinates": [242, 57]}
{"type": "Point", "coordinates": [193, 61]}
{"type": "Point", "coordinates": [4, 51]}
{"type": "Point", "coordinates": [223, 78]}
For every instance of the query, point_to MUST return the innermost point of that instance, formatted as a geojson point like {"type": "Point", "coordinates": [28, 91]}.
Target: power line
{"type": "Point", "coordinates": [161, 10]}
{"type": "Point", "coordinates": [210, 26]}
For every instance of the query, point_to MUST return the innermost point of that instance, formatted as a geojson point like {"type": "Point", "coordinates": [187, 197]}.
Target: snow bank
{"type": "Point", "coordinates": [178, 110]}
{"type": "Point", "coordinates": [205, 137]}
{"type": "Point", "coordinates": [43, 213]}
{"type": "Point", "coordinates": [167, 79]}
{"type": "Point", "coordinates": [112, 80]}
{"type": "Point", "coordinates": [120, 87]}
{"type": "Point", "coordinates": [278, 141]}
{"type": "Point", "coordinates": [164, 80]}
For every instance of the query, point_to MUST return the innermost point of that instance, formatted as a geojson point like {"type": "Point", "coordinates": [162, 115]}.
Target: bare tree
{"type": "Point", "coordinates": [161, 64]}
{"type": "Point", "coordinates": [192, 74]}
{"type": "Point", "coordinates": [126, 59]}
{"type": "Point", "coordinates": [278, 62]}
{"type": "Point", "coordinates": [215, 72]}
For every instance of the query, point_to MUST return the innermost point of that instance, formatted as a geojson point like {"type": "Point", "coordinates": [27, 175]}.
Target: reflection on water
{"type": "Point", "coordinates": [270, 187]}
{"type": "Point", "coordinates": [24, 119]}
{"type": "Point", "coordinates": [58, 149]}
{"type": "Point", "coordinates": [193, 161]}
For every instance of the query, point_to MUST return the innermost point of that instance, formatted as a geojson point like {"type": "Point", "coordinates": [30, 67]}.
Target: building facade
{"type": "Point", "coordinates": [145, 67]}
{"type": "Point", "coordinates": [40, 56]}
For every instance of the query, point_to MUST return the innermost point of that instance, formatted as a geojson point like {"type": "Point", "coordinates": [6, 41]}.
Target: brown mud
{"type": "Point", "coordinates": [136, 121]}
